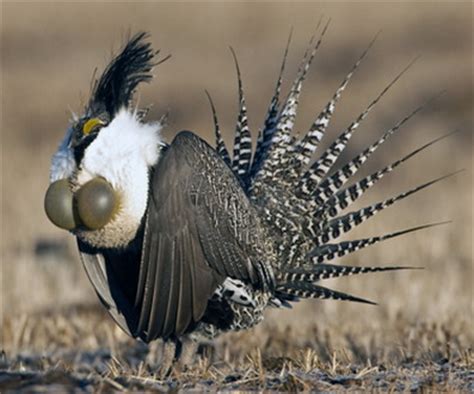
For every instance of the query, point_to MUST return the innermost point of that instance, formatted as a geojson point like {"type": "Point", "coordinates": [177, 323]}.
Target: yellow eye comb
{"type": "Point", "coordinates": [90, 125]}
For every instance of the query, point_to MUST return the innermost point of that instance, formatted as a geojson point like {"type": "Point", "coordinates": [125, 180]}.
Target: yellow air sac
{"type": "Point", "coordinates": [58, 205]}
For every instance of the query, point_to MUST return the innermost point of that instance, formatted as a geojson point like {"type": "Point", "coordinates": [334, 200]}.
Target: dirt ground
{"type": "Point", "coordinates": [56, 337]}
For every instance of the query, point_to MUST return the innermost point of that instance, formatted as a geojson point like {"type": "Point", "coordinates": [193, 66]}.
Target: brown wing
{"type": "Point", "coordinates": [200, 228]}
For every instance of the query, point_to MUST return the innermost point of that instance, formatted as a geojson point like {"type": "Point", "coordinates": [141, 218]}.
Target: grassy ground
{"type": "Point", "coordinates": [80, 348]}
{"type": "Point", "coordinates": [420, 337]}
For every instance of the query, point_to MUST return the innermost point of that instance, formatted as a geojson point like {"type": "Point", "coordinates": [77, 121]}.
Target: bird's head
{"type": "Point", "coordinates": [100, 172]}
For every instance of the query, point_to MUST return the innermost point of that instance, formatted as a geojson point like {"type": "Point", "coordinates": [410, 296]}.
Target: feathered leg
{"type": "Point", "coordinates": [168, 355]}
{"type": "Point", "coordinates": [187, 352]}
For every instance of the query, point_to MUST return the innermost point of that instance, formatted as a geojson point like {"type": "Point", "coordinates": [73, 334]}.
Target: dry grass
{"type": "Point", "coordinates": [80, 347]}
{"type": "Point", "coordinates": [419, 338]}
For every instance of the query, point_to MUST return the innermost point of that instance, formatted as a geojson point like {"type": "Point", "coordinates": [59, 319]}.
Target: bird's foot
{"type": "Point", "coordinates": [187, 354]}
{"type": "Point", "coordinates": [162, 363]}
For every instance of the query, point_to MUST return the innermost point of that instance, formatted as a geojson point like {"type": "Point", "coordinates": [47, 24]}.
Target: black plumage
{"type": "Point", "coordinates": [132, 66]}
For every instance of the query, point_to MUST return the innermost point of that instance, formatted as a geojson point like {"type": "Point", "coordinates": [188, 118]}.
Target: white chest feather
{"type": "Point", "coordinates": [122, 154]}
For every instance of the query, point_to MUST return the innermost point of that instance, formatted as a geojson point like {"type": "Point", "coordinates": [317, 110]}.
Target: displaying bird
{"type": "Point", "coordinates": [181, 241]}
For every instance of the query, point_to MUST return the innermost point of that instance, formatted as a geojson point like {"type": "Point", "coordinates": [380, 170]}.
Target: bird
{"type": "Point", "coordinates": [184, 241]}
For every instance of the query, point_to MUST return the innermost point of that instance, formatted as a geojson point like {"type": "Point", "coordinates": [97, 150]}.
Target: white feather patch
{"type": "Point", "coordinates": [235, 291]}
{"type": "Point", "coordinates": [122, 154]}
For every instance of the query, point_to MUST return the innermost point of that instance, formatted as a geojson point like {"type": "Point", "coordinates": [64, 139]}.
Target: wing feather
{"type": "Point", "coordinates": [107, 286]}
{"type": "Point", "coordinates": [200, 228]}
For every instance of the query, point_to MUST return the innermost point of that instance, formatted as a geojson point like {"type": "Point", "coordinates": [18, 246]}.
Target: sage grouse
{"type": "Point", "coordinates": [184, 240]}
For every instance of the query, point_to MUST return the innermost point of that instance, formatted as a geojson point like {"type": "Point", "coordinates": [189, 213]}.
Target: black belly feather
{"type": "Point", "coordinates": [219, 314]}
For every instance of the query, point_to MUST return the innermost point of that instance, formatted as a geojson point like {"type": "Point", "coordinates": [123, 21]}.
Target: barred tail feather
{"type": "Point", "coordinates": [329, 186]}
{"type": "Point", "coordinates": [323, 165]}
{"type": "Point", "coordinates": [301, 202]}
{"type": "Point", "coordinates": [288, 113]}
{"type": "Point", "coordinates": [328, 251]}
{"type": "Point", "coordinates": [341, 200]}
{"type": "Point", "coordinates": [299, 282]}
{"type": "Point", "coordinates": [220, 145]}
{"type": "Point", "coordinates": [316, 272]}
{"type": "Point", "coordinates": [310, 290]}
{"type": "Point", "coordinates": [265, 135]}
{"type": "Point", "coordinates": [306, 146]}
{"type": "Point", "coordinates": [242, 140]}
{"type": "Point", "coordinates": [340, 225]}
{"type": "Point", "coordinates": [281, 137]}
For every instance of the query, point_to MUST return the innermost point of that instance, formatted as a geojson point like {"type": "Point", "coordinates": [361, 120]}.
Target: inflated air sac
{"type": "Point", "coordinates": [92, 206]}
{"type": "Point", "coordinates": [59, 206]}
{"type": "Point", "coordinates": [96, 203]}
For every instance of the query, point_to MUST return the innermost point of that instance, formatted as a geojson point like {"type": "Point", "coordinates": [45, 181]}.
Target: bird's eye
{"type": "Point", "coordinates": [92, 125]}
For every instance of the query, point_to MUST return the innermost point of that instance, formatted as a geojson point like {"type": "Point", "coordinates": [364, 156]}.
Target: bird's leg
{"type": "Point", "coordinates": [152, 356]}
{"type": "Point", "coordinates": [207, 350]}
{"type": "Point", "coordinates": [188, 351]}
{"type": "Point", "coordinates": [167, 358]}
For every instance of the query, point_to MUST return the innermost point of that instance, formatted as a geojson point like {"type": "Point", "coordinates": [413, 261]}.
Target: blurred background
{"type": "Point", "coordinates": [50, 51]}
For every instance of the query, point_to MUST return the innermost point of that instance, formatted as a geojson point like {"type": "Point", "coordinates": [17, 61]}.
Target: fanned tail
{"type": "Point", "coordinates": [300, 202]}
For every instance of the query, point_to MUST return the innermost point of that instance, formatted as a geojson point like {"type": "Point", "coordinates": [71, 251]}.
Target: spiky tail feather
{"type": "Point", "coordinates": [265, 135]}
{"type": "Point", "coordinates": [317, 272]}
{"type": "Point", "coordinates": [329, 186]}
{"type": "Point", "coordinates": [303, 150]}
{"type": "Point", "coordinates": [309, 290]}
{"type": "Point", "coordinates": [242, 140]}
{"type": "Point", "coordinates": [281, 138]}
{"type": "Point", "coordinates": [337, 226]}
{"type": "Point", "coordinates": [329, 251]}
{"type": "Point", "coordinates": [323, 165]}
{"type": "Point", "coordinates": [300, 282]}
{"type": "Point", "coordinates": [342, 199]}
{"type": "Point", "coordinates": [220, 144]}
{"type": "Point", "coordinates": [286, 121]}
{"type": "Point", "coordinates": [300, 204]}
